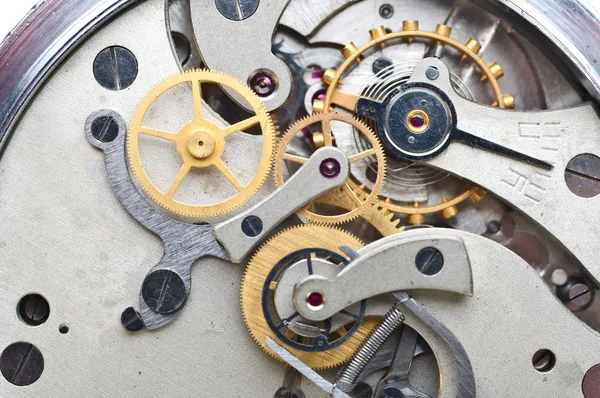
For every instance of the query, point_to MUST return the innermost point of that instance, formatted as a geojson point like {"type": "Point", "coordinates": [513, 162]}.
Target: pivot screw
{"type": "Point", "coordinates": [164, 291]}
{"type": "Point", "coordinates": [252, 226]}
{"type": "Point", "coordinates": [105, 129]}
{"type": "Point", "coordinates": [237, 10]}
{"type": "Point", "coordinates": [21, 364]}
{"type": "Point", "coordinates": [115, 68]}
{"type": "Point", "coordinates": [330, 168]}
{"type": "Point", "coordinates": [132, 320]}
{"type": "Point", "coordinates": [432, 73]}
{"type": "Point", "coordinates": [582, 175]}
{"type": "Point", "coordinates": [429, 261]}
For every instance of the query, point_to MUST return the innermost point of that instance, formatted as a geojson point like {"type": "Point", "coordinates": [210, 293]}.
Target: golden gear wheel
{"type": "Point", "coordinates": [255, 277]}
{"type": "Point", "coordinates": [361, 203]}
{"type": "Point", "coordinates": [201, 143]}
{"type": "Point", "coordinates": [441, 35]}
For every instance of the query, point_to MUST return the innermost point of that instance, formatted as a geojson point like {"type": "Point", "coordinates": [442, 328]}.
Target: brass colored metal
{"type": "Point", "coordinates": [496, 71]}
{"type": "Point", "coordinates": [201, 144]}
{"type": "Point", "coordinates": [318, 140]}
{"type": "Point", "coordinates": [410, 29]}
{"type": "Point", "coordinates": [318, 106]}
{"type": "Point", "coordinates": [361, 204]}
{"type": "Point", "coordinates": [443, 30]}
{"type": "Point", "coordinates": [328, 75]}
{"type": "Point", "coordinates": [349, 51]}
{"type": "Point", "coordinates": [416, 218]}
{"type": "Point", "coordinates": [472, 45]}
{"type": "Point", "coordinates": [424, 115]}
{"type": "Point", "coordinates": [345, 100]}
{"type": "Point", "coordinates": [377, 33]}
{"type": "Point", "coordinates": [410, 26]}
{"type": "Point", "coordinates": [509, 101]}
{"type": "Point", "coordinates": [448, 212]}
{"type": "Point", "coordinates": [478, 195]}
{"type": "Point", "coordinates": [257, 271]}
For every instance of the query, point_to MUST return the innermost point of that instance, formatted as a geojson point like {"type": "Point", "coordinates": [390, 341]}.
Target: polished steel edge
{"type": "Point", "coordinates": [54, 28]}
{"type": "Point", "coordinates": [31, 51]}
{"type": "Point", "coordinates": [573, 26]}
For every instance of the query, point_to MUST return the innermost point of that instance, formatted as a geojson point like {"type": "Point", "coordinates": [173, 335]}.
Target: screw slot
{"type": "Point", "coordinates": [115, 68]}
{"type": "Point", "coordinates": [543, 360]}
{"type": "Point", "coordinates": [33, 310]}
{"type": "Point", "coordinates": [21, 364]}
{"type": "Point", "coordinates": [429, 261]}
{"type": "Point", "coordinates": [252, 226]}
{"type": "Point", "coordinates": [582, 175]}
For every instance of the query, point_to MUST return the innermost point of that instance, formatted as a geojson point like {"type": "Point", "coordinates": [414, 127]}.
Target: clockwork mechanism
{"type": "Point", "coordinates": [300, 198]}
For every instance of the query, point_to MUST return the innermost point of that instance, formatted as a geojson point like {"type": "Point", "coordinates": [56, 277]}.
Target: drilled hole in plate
{"type": "Point", "coordinates": [63, 329]}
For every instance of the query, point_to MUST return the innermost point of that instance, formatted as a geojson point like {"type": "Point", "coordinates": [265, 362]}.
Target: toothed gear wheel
{"type": "Point", "coordinates": [266, 272]}
{"type": "Point", "coordinates": [201, 144]}
{"type": "Point", "coordinates": [361, 204]}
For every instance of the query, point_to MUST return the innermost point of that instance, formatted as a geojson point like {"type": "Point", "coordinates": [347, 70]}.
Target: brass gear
{"type": "Point", "coordinates": [200, 144]}
{"type": "Point", "coordinates": [362, 203]}
{"type": "Point", "coordinates": [255, 278]}
{"type": "Point", "coordinates": [441, 35]}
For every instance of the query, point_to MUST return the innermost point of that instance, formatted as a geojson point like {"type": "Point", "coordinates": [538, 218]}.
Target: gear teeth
{"type": "Point", "coordinates": [189, 211]}
{"type": "Point", "coordinates": [250, 280]}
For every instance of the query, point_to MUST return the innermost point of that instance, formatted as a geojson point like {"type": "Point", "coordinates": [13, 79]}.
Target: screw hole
{"type": "Point", "coordinates": [386, 11]}
{"type": "Point", "coordinates": [543, 360]}
{"type": "Point", "coordinates": [33, 310]}
{"type": "Point", "coordinates": [63, 329]}
{"type": "Point", "coordinates": [201, 143]}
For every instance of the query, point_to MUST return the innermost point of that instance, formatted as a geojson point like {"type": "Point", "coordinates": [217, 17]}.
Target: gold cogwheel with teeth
{"type": "Point", "coordinates": [360, 203]}
{"type": "Point", "coordinates": [201, 143]}
{"type": "Point", "coordinates": [410, 30]}
{"type": "Point", "coordinates": [257, 274]}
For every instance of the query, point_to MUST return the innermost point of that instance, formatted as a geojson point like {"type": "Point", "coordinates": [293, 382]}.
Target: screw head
{"type": "Point", "coordinates": [432, 73]}
{"type": "Point", "coordinates": [429, 261]}
{"type": "Point", "coordinates": [237, 10]}
{"type": "Point", "coordinates": [21, 364]}
{"type": "Point", "coordinates": [132, 320]}
{"type": "Point", "coordinates": [582, 175]}
{"type": "Point", "coordinates": [105, 128]}
{"type": "Point", "coordinates": [164, 291]}
{"type": "Point", "coordinates": [330, 168]}
{"type": "Point", "coordinates": [115, 68]}
{"type": "Point", "coordinates": [591, 382]}
{"type": "Point", "coordinates": [252, 226]}
{"type": "Point", "coordinates": [33, 310]}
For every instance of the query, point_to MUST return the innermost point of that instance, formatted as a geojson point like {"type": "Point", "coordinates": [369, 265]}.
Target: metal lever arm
{"type": "Point", "coordinates": [385, 266]}
{"type": "Point", "coordinates": [240, 234]}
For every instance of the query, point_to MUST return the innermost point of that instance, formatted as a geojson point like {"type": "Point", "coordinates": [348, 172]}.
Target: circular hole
{"type": "Point", "coordinates": [63, 329]}
{"type": "Point", "coordinates": [543, 360]}
{"type": "Point", "coordinates": [33, 310]}
{"type": "Point", "coordinates": [582, 175]}
{"type": "Point", "coordinates": [21, 364]}
{"type": "Point", "coordinates": [264, 83]}
{"type": "Point", "coordinates": [201, 143]}
{"type": "Point", "coordinates": [386, 11]}
{"type": "Point", "coordinates": [429, 261]}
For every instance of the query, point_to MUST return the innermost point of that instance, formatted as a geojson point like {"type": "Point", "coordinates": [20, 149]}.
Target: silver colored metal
{"type": "Point", "coordinates": [301, 367]}
{"type": "Point", "coordinates": [388, 265]}
{"type": "Point", "coordinates": [237, 10]}
{"type": "Point", "coordinates": [248, 43]}
{"type": "Point", "coordinates": [543, 195]}
{"type": "Point", "coordinates": [303, 187]}
{"type": "Point", "coordinates": [582, 175]}
{"type": "Point", "coordinates": [396, 377]}
{"type": "Point", "coordinates": [186, 243]}
{"type": "Point", "coordinates": [389, 324]}
{"type": "Point", "coordinates": [572, 26]}
{"type": "Point", "coordinates": [36, 47]}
